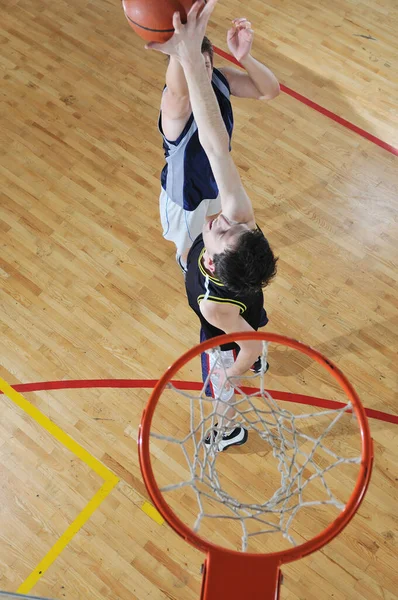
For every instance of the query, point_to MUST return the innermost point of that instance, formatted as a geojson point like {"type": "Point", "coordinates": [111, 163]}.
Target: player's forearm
{"type": "Point", "coordinates": [175, 78]}
{"type": "Point", "coordinates": [248, 354]}
{"type": "Point", "coordinates": [212, 132]}
{"type": "Point", "coordinates": [262, 77]}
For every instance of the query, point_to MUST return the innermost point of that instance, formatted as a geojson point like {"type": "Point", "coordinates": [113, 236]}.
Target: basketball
{"type": "Point", "coordinates": [153, 19]}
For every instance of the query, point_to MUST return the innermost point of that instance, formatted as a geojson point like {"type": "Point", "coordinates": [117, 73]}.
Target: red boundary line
{"type": "Point", "coordinates": [188, 385]}
{"type": "Point", "coordinates": [324, 111]}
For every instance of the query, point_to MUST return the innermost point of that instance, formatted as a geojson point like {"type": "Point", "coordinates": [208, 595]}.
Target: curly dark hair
{"type": "Point", "coordinates": [207, 46]}
{"type": "Point", "coordinates": [248, 267]}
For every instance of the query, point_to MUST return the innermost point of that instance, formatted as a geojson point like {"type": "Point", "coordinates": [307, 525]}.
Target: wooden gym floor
{"type": "Point", "coordinates": [90, 290]}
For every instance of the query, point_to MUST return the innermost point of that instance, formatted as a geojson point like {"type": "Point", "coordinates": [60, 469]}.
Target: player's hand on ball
{"type": "Point", "coordinates": [240, 38]}
{"type": "Point", "coordinates": [186, 41]}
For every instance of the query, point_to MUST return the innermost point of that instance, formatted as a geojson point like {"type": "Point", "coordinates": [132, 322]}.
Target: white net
{"type": "Point", "coordinates": [288, 469]}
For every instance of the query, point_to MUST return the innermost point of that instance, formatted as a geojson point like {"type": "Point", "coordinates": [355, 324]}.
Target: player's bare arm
{"type": "Point", "coordinates": [175, 105]}
{"type": "Point", "coordinates": [185, 45]}
{"type": "Point", "coordinates": [227, 318]}
{"type": "Point", "coordinates": [258, 81]}
{"type": "Point", "coordinates": [242, 84]}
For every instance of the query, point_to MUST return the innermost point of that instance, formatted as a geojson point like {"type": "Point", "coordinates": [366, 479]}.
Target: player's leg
{"type": "Point", "coordinates": [179, 226]}
{"type": "Point", "coordinates": [227, 430]}
{"type": "Point", "coordinates": [183, 226]}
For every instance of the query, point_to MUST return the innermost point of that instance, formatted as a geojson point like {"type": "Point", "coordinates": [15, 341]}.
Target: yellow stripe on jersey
{"type": "Point", "coordinates": [242, 307]}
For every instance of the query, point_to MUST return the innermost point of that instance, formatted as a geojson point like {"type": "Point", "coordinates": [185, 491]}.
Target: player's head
{"type": "Point", "coordinates": [239, 256]}
{"type": "Point", "coordinates": [208, 53]}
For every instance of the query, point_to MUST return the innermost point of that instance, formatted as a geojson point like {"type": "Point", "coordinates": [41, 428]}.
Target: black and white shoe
{"type": "Point", "coordinates": [235, 437]}
{"type": "Point", "coordinates": [256, 367]}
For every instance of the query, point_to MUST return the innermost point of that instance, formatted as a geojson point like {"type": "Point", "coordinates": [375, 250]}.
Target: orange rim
{"type": "Point", "coordinates": [290, 554]}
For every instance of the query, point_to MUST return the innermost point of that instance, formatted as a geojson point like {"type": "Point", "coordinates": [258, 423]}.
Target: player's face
{"type": "Point", "coordinates": [209, 66]}
{"type": "Point", "coordinates": [221, 233]}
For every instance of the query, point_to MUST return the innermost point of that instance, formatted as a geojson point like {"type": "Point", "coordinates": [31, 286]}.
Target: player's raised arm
{"type": "Point", "coordinates": [258, 81]}
{"type": "Point", "coordinates": [236, 205]}
{"type": "Point", "coordinates": [185, 45]}
{"type": "Point", "coordinates": [175, 106]}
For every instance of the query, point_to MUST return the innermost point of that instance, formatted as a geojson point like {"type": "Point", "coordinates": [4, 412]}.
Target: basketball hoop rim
{"type": "Point", "coordinates": [284, 556]}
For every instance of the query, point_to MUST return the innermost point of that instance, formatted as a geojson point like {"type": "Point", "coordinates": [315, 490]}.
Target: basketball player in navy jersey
{"type": "Point", "coordinates": [231, 261]}
{"type": "Point", "coordinates": [189, 192]}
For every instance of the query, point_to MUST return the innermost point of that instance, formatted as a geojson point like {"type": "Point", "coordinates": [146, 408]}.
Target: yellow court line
{"type": "Point", "coordinates": [67, 536]}
{"type": "Point", "coordinates": [56, 431]}
{"type": "Point", "coordinates": [152, 512]}
{"type": "Point", "coordinates": [110, 481]}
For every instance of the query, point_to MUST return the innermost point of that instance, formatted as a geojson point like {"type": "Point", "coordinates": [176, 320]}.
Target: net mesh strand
{"type": "Point", "coordinates": [296, 454]}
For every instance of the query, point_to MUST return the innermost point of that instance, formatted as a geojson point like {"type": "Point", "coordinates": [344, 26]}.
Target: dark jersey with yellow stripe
{"type": "Point", "coordinates": [202, 286]}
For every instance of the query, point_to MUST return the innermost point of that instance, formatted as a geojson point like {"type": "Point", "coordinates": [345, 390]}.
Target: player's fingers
{"type": "Point", "coordinates": [193, 12]}
{"type": "Point", "coordinates": [153, 46]}
{"type": "Point", "coordinates": [208, 9]}
{"type": "Point", "coordinates": [177, 22]}
{"type": "Point", "coordinates": [243, 25]}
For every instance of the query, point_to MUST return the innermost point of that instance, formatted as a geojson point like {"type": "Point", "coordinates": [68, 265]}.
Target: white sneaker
{"type": "Point", "coordinates": [235, 437]}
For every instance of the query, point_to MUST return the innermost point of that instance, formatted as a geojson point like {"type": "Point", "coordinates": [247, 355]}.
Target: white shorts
{"type": "Point", "coordinates": [183, 226]}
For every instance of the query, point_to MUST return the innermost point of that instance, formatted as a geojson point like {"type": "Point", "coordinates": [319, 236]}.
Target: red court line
{"type": "Point", "coordinates": [324, 111]}
{"type": "Point", "coordinates": [79, 384]}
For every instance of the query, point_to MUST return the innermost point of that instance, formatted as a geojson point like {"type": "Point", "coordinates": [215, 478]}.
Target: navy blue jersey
{"type": "Point", "coordinates": [187, 177]}
{"type": "Point", "coordinates": [202, 286]}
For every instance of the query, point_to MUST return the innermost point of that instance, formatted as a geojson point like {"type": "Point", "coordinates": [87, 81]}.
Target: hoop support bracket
{"type": "Point", "coordinates": [239, 577]}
